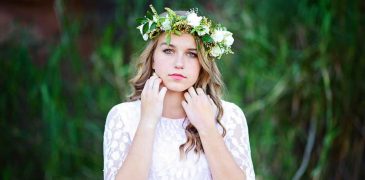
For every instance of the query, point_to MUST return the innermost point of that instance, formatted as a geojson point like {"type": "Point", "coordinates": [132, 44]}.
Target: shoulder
{"type": "Point", "coordinates": [232, 112]}
{"type": "Point", "coordinates": [123, 109]}
{"type": "Point", "coordinates": [231, 107]}
{"type": "Point", "coordinates": [123, 117]}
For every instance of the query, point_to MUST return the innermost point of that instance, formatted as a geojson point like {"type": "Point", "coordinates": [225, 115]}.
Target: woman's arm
{"type": "Point", "coordinates": [227, 160]}
{"type": "Point", "coordinates": [123, 158]}
{"type": "Point", "coordinates": [138, 161]}
{"type": "Point", "coordinates": [234, 147]}
{"type": "Point", "coordinates": [137, 158]}
{"type": "Point", "coordinates": [221, 163]}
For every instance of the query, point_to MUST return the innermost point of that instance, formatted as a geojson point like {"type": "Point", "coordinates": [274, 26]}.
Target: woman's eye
{"type": "Point", "coordinates": [191, 54]}
{"type": "Point", "coordinates": [168, 51]}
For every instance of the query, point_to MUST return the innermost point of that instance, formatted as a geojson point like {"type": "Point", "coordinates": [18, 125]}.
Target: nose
{"type": "Point", "coordinates": [179, 62]}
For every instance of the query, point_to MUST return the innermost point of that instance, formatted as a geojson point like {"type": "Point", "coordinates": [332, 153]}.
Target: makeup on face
{"type": "Point", "coordinates": [177, 63]}
{"type": "Point", "coordinates": [171, 48]}
{"type": "Point", "coordinates": [177, 76]}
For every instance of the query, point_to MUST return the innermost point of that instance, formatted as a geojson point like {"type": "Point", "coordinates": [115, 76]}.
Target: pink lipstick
{"type": "Point", "coordinates": [177, 76]}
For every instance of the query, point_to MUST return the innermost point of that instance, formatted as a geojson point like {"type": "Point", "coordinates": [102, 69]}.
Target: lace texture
{"type": "Point", "coordinates": [121, 125]}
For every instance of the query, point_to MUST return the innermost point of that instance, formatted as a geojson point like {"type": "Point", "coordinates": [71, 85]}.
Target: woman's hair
{"type": "Point", "coordinates": [210, 80]}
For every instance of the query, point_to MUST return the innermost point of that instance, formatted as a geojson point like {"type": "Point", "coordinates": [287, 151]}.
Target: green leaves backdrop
{"type": "Point", "coordinates": [297, 73]}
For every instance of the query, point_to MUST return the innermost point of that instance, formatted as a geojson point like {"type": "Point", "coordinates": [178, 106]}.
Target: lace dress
{"type": "Point", "coordinates": [121, 125]}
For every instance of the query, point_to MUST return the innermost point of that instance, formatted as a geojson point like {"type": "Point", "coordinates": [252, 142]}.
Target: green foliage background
{"type": "Point", "coordinates": [297, 73]}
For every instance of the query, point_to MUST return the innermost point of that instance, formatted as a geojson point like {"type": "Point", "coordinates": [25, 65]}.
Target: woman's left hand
{"type": "Point", "coordinates": [200, 109]}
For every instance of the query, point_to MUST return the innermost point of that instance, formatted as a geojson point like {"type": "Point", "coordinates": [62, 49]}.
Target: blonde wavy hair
{"type": "Point", "coordinates": [210, 80]}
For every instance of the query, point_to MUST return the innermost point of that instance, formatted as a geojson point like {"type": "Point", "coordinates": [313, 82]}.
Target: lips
{"type": "Point", "coordinates": [177, 76]}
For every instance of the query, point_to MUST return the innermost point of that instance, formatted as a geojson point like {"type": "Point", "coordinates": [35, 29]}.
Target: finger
{"type": "Point", "coordinates": [152, 79]}
{"type": "Point", "coordinates": [211, 100]}
{"type": "Point", "coordinates": [187, 97]}
{"type": "Point", "coordinates": [213, 104]}
{"type": "Point", "coordinates": [162, 93]}
{"type": "Point", "coordinates": [145, 87]}
{"type": "Point", "coordinates": [184, 105]}
{"type": "Point", "coordinates": [215, 108]}
{"type": "Point", "coordinates": [156, 85]}
{"type": "Point", "coordinates": [192, 92]}
{"type": "Point", "coordinates": [200, 91]}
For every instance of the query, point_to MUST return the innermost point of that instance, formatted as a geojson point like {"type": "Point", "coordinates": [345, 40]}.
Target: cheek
{"type": "Point", "coordinates": [159, 65]}
{"type": "Point", "coordinates": [195, 70]}
{"type": "Point", "coordinates": [159, 60]}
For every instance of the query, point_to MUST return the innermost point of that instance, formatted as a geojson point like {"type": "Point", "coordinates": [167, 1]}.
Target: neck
{"type": "Point", "coordinates": [172, 107]}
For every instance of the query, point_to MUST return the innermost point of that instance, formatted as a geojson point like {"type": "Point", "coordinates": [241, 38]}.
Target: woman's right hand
{"type": "Point", "coordinates": [152, 101]}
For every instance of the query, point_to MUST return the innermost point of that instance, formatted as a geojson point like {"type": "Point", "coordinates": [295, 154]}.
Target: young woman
{"type": "Point", "coordinates": [176, 125]}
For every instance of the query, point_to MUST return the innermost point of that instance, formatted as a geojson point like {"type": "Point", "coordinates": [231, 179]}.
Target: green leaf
{"type": "Point", "coordinates": [145, 28]}
{"type": "Point", "coordinates": [141, 20]}
{"type": "Point", "coordinates": [207, 39]}
{"type": "Point", "coordinates": [177, 32]}
{"type": "Point", "coordinates": [170, 11]}
{"type": "Point", "coordinates": [197, 44]}
{"type": "Point", "coordinates": [149, 15]}
{"type": "Point", "coordinates": [153, 26]}
{"type": "Point", "coordinates": [153, 10]}
{"type": "Point", "coordinates": [168, 38]}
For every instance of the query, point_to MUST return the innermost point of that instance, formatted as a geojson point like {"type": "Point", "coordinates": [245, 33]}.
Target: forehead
{"type": "Point", "coordinates": [185, 41]}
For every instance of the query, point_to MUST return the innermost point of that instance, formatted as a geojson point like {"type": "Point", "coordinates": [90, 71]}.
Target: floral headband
{"type": "Point", "coordinates": [216, 39]}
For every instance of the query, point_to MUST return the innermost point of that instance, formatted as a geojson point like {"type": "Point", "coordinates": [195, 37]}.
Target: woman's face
{"type": "Point", "coordinates": [177, 64]}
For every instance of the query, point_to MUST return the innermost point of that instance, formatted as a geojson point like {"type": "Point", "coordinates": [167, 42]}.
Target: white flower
{"type": "Point", "coordinates": [140, 28]}
{"type": "Point", "coordinates": [218, 36]}
{"type": "Point", "coordinates": [145, 37]}
{"type": "Point", "coordinates": [216, 51]}
{"type": "Point", "coordinates": [155, 19]}
{"type": "Point", "coordinates": [203, 30]}
{"type": "Point", "coordinates": [166, 25]}
{"type": "Point", "coordinates": [149, 24]}
{"type": "Point", "coordinates": [193, 19]}
{"type": "Point", "coordinates": [228, 39]}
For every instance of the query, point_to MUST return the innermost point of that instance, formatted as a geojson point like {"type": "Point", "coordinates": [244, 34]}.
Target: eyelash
{"type": "Point", "coordinates": [191, 54]}
{"type": "Point", "coordinates": [194, 55]}
{"type": "Point", "coordinates": [167, 51]}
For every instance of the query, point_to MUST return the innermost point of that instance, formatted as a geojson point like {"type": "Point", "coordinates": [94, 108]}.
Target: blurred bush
{"type": "Point", "coordinates": [297, 73]}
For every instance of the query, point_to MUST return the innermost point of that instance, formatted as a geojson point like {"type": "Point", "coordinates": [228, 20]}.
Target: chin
{"type": "Point", "coordinates": [176, 87]}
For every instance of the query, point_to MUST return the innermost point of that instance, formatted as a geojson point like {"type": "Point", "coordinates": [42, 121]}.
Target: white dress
{"type": "Point", "coordinates": [121, 125]}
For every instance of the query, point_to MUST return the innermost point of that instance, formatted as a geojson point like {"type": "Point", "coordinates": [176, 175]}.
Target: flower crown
{"type": "Point", "coordinates": [216, 39]}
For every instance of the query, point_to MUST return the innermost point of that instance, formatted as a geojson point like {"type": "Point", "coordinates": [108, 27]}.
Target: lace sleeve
{"type": "Point", "coordinates": [237, 139]}
{"type": "Point", "coordinates": [116, 143]}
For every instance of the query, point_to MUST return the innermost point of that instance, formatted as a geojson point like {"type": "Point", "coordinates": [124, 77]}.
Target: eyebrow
{"type": "Point", "coordinates": [191, 49]}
